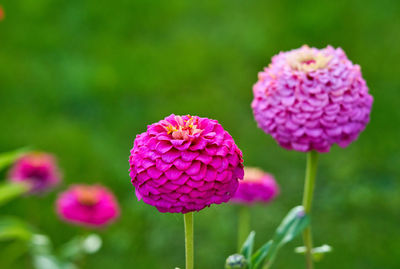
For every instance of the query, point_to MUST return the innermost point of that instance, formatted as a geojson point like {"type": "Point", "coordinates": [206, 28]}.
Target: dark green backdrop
{"type": "Point", "coordinates": [81, 78]}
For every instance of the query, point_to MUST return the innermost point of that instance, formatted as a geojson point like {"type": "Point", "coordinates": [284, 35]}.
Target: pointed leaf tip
{"type": "Point", "coordinates": [260, 256]}
{"type": "Point", "coordinates": [247, 248]}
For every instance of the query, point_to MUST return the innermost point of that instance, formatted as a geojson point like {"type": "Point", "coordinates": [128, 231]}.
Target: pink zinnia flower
{"type": "Point", "coordinates": [38, 170]}
{"type": "Point", "coordinates": [183, 164]}
{"type": "Point", "coordinates": [257, 186]}
{"type": "Point", "coordinates": [309, 99]}
{"type": "Point", "coordinates": [87, 205]}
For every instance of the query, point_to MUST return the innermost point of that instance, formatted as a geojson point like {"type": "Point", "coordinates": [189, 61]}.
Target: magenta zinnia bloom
{"type": "Point", "coordinates": [38, 170]}
{"type": "Point", "coordinates": [309, 99]}
{"type": "Point", "coordinates": [183, 164]}
{"type": "Point", "coordinates": [256, 187]}
{"type": "Point", "coordinates": [87, 205]}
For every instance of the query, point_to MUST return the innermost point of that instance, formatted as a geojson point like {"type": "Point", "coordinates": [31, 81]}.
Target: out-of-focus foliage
{"type": "Point", "coordinates": [7, 158]}
{"type": "Point", "coordinates": [82, 78]}
{"type": "Point", "coordinates": [20, 238]}
{"type": "Point", "coordinates": [318, 253]}
{"type": "Point", "coordinates": [249, 258]}
{"type": "Point", "coordinates": [69, 257]}
{"type": "Point", "coordinates": [10, 191]}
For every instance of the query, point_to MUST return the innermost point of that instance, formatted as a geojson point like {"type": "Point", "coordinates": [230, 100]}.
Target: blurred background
{"type": "Point", "coordinates": [81, 78]}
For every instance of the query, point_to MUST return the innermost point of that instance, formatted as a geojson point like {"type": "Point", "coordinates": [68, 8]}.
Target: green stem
{"type": "Point", "coordinates": [309, 185]}
{"type": "Point", "coordinates": [243, 225]}
{"type": "Point", "coordinates": [189, 250]}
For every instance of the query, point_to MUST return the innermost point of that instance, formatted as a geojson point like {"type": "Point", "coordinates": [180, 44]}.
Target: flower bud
{"type": "Point", "coordinates": [236, 261]}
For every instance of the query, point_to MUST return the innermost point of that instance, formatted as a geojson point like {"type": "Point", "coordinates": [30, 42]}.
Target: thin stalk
{"type": "Point", "coordinates": [243, 225]}
{"type": "Point", "coordinates": [189, 250]}
{"type": "Point", "coordinates": [309, 185]}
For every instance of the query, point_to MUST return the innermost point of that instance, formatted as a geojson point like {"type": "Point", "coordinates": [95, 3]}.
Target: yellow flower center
{"type": "Point", "coordinates": [307, 60]}
{"type": "Point", "coordinates": [252, 174]}
{"type": "Point", "coordinates": [88, 195]}
{"type": "Point", "coordinates": [184, 128]}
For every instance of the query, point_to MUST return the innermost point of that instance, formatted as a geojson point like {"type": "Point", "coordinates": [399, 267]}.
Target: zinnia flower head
{"type": "Point", "coordinates": [87, 205]}
{"type": "Point", "coordinates": [184, 163]}
{"type": "Point", "coordinates": [38, 170]}
{"type": "Point", "coordinates": [308, 99]}
{"type": "Point", "coordinates": [257, 186]}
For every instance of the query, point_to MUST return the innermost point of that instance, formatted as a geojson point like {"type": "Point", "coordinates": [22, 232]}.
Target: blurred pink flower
{"type": "Point", "coordinates": [257, 186]}
{"type": "Point", "coordinates": [38, 170]}
{"type": "Point", "coordinates": [2, 13]}
{"type": "Point", "coordinates": [184, 163]}
{"type": "Point", "coordinates": [309, 99]}
{"type": "Point", "coordinates": [87, 205]}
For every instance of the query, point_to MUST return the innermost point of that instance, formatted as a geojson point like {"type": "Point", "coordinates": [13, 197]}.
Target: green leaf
{"type": "Point", "coordinates": [8, 158]}
{"type": "Point", "coordinates": [42, 252]}
{"type": "Point", "coordinates": [247, 248]}
{"type": "Point", "coordinates": [12, 228]}
{"type": "Point", "coordinates": [91, 243]}
{"type": "Point", "coordinates": [291, 226]}
{"type": "Point", "coordinates": [294, 222]}
{"type": "Point", "coordinates": [259, 257]}
{"type": "Point", "coordinates": [318, 253]}
{"type": "Point", "coordinates": [46, 262]}
{"type": "Point", "coordinates": [79, 246]}
{"type": "Point", "coordinates": [11, 190]}
{"type": "Point", "coordinates": [51, 262]}
{"type": "Point", "coordinates": [40, 244]}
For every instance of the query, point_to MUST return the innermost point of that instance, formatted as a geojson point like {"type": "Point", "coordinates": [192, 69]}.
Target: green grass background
{"type": "Point", "coordinates": [80, 78]}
